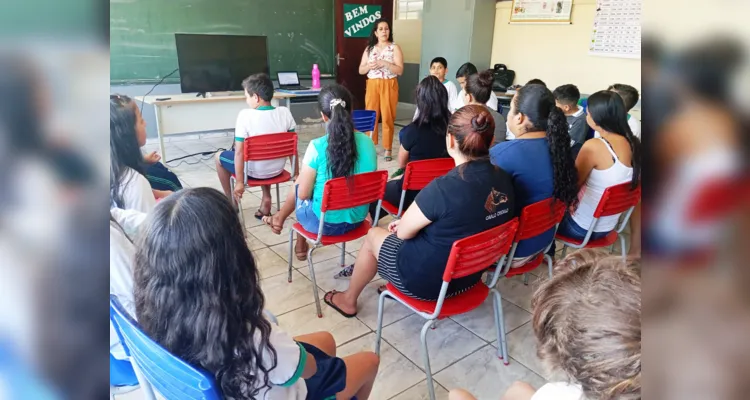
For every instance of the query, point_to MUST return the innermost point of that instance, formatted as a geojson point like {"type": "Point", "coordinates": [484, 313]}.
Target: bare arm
{"type": "Point", "coordinates": [585, 161]}
{"type": "Point", "coordinates": [239, 168]}
{"type": "Point", "coordinates": [364, 66]}
{"type": "Point", "coordinates": [306, 182]}
{"type": "Point", "coordinates": [412, 222]}
{"type": "Point", "coordinates": [403, 157]}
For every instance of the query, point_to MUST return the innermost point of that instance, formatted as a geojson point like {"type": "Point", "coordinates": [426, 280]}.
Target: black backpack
{"type": "Point", "coordinates": [503, 77]}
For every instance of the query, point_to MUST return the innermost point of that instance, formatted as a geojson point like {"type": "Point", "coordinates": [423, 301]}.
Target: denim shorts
{"type": "Point", "coordinates": [307, 218]}
{"type": "Point", "coordinates": [569, 228]}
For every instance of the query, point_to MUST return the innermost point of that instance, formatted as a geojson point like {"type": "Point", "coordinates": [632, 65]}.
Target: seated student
{"type": "Point", "coordinates": [260, 119]}
{"type": "Point", "coordinates": [128, 186]}
{"type": "Point", "coordinates": [610, 159]}
{"type": "Point", "coordinates": [478, 88]}
{"type": "Point", "coordinates": [584, 334]}
{"type": "Point", "coordinates": [541, 136]}
{"type": "Point", "coordinates": [412, 253]}
{"type": "Point", "coordinates": [342, 152]}
{"type": "Point", "coordinates": [566, 97]}
{"type": "Point", "coordinates": [462, 75]}
{"type": "Point", "coordinates": [535, 81]}
{"type": "Point", "coordinates": [205, 306]}
{"type": "Point", "coordinates": [423, 139]}
{"type": "Point", "coordinates": [438, 69]}
{"type": "Point", "coordinates": [629, 96]}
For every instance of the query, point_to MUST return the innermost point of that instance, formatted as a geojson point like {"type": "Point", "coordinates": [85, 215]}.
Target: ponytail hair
{"type": "Point", "coordinates": [479, 86]}
{"type": "Point", "coordinates": [607, 109]}
{"type": "Point", "coordinates": [474, 129]}
{"type": "Point", "coordinates": [335, 102]}
{"type": "Point", "coordinates": [537, 103]}
{"type": "Point", "coordinates": [124, 150]}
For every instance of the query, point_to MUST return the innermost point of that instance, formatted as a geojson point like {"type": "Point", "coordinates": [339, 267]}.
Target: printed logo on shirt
{"type": "Point", "coordinates": [494, 199]}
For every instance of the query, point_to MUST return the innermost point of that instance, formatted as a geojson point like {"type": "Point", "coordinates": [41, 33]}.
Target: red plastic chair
{"type": "Point", "coordinates": [417, 175]}
{"type": "Point", "coordinates": [268, 147]}
{"type": "Point", "coordinates": [468, 256]}
{"type": "Point", "coordinates": [615, 200]}
{"type": "Point", "coordinates": [339, 194]}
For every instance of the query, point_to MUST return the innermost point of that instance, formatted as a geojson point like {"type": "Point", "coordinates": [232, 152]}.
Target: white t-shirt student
{"type": "Point", "coordinates": [459, 101]}
{"type": "Point", "coordinates": [452, 93]}
{"type": "Point", "coordinates": [262, 121]}
{"type": "Point", "coordinates": [635, 126]}
{"type": "Point", "coordinates": [136, 193]}
{"type": "Point", "coordinates": [286, 379]}
{"type": "Point", "coordinates": [559, 391]}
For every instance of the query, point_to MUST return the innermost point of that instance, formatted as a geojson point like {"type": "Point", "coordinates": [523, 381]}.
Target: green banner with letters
{"type": "Point", "coordinates": [358, 19]}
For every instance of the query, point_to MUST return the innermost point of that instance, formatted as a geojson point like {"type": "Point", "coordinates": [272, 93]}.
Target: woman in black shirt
{"type": "Point", "coordinates": [473, 197]}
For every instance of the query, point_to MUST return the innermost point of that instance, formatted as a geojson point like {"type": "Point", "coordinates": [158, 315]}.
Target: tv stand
{"type": "Point", "coordinates": [201, 94]}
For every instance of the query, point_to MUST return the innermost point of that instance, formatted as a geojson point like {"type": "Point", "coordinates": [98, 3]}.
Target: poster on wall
{"type": "Point", "coordinates": [358, 19]}
{"type": "Point", "coordinates": [617, 29]}
{"type": "Point", "coordinates": [541, 11]}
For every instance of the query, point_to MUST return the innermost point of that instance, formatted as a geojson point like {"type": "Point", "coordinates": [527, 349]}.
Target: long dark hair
{"type": "Point", "coordinates": [198, 294]}
{"type": "Point", "coordinates": [537, 103]}
{"type": "Point", "coordinates": [474, 128]}
{"type": "Point", "coordinates": [342, 147]}
{"type": "Point", "coordinates": [432, 103]}
{"type": "Point", "coordinates": [373, 39]}
{"type": "Point", "coordinates": [607, 109]}
{"type": "Point", "coordinates": [124, 151]}
{"type": "Point", "coordinates": [479, 85]}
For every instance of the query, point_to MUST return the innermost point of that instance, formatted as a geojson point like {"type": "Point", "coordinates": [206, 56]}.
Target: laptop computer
{"type": "Point", "coordinates": [289, 81]}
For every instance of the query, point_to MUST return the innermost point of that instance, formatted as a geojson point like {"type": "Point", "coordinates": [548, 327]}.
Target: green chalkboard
{"type": "Point", "coordinates": [142, 47]}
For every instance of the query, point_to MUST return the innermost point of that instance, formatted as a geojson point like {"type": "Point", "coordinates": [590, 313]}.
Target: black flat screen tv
{"type": "Point", "coordinates": [214, 63]}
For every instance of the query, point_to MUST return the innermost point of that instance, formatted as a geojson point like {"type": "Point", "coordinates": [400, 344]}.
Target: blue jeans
{"type": "Point", "coordinates": [307, 218]}
{"type": "Point", "coordinates": [571, 229]}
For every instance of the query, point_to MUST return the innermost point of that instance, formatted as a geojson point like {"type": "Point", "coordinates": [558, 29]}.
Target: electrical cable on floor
{"type": "Point", "coordinates": [201, 154]}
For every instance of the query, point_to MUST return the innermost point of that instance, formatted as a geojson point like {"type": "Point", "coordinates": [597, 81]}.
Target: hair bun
{"type": "Point", "coordinates": [486, 77]}
{"type": "Point", "coordinates": [481, 122]}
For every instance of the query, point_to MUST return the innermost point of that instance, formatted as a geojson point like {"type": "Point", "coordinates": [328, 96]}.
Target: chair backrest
{"type": "Point", "coordinates": [617, 199]}
{"type": "Point", "coordinates": [419, 174]}
{"type": "Point", "coordinates": [170, 376]}
{"type": "Point", "coordinates": [364, 120]}
{"type": "Point", "coordinates": [539, 217]}
{"type": "Point", "coordinates": [478, 252]}
{"type": "Point", "coordinates": [341, 193]}
{"type": "Point", "coordinates": [270, 146]}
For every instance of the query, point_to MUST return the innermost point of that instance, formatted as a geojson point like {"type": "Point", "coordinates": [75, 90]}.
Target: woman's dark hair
{"type": "Point", "coordinates": [373, 39]}
{"type": "Point", "coordinates": [479, 85]}
{"type": "Point", "coordinates": [197, 291]}
{"type": "Point", "coordinates": [466, 70]}
{"type": "Point", "coordinates": [335, 102]}
{"type": "Point", "coordinates": [432, 103]}
{"type": "Point", "coordinates": [537, 104]}
{"type": "Point", "coordinates": [474, 129]}
{"type": "Point", "coordinates": [628, 93]}
{"type": "Point", "coordinates": [608, 111]}
{"type": "Point", "coordinates": [124, 151]}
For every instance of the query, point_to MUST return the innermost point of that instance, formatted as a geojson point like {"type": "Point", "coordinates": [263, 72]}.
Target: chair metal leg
{"type": "Point", "coordinates": [239, 207]}
{"type": "Point", "coordinates": [278, 199]}
{"type": "Point", "coordinates": [549, 264]}
{"type": "Point", "coordinates": [426, 358]}
{"type": "Point", "coordinates": [381, 306]}
{"type": "Point", "coordinates": [291, 253]}
{"type": "Point", "coordinates": [343, 254]}
{"type": "Point", "coordinates": [565, 250]}
{"type": "Point", "coordinates": [623, 250]}
{"type": "Point", "coordinates": [611, 248]}
{"type": "Point", "coordinates": [502, 344]}
{"type": "Point", "coordinates": [314, 282]}
{"type": "Point", "coordinates": [526, 279]}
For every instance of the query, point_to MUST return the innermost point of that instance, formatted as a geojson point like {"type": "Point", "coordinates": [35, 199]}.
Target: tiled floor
{"type": "Point", "coordinates": [462, 349]}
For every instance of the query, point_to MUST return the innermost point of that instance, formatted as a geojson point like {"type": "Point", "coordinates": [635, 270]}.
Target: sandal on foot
{"type": "Point", "coordinates": [268, 220]}
{"type": "Point", "coordinates": [382, 288]}
{"type": "Point", "coordinates": [345, 272]}
{"type": "Point", "coordinates": [388, 156]}
{"type": "Point", "coordinates": [259, 214]}
{"type": "Point", "coordinates": [328, 299]}
{"type": "Point", "coordinates": [301, 255]}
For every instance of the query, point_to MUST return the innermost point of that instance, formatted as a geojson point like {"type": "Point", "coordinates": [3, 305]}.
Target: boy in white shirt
{"type": "Point", "coordinates": [438, 69]}
{"type": "Point", "coordinates": [260, 119]}
{"type": "Point", "coordinates": [630, 97]}
{"type": "Point", "coordinates": [462, 74]}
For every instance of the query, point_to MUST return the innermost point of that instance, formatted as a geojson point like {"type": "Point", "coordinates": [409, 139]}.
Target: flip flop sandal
{"type": "Point", "coordinates": [345, 272]}
{"type": "Point", "coordinates": [328, 299]}
{"type": "Point", "coordinates": [259, 214]}
{"type": "Point", "coordinates": [388, 156]}
{"type": "Point", "coordinates": [301, 255]}
{"type": "Point", "coordinates": [268, 220]}
{"type": "Point", "coordinates": [381, 289]}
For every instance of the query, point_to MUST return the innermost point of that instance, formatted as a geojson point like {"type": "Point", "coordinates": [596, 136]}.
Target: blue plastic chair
{"type": "Point", "coordinates": [364, 120]}
{"type": "Point", "coordinates": [172, 377]}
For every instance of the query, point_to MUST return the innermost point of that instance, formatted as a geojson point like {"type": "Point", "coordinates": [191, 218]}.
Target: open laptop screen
{"type": "Point", "coordinates": [288, 78]}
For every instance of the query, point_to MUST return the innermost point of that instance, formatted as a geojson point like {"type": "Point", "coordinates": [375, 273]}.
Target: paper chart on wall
{"type": "Point", "coordinates": [617, 29]}
{"type": "Point", "coordinates": [543, 11]}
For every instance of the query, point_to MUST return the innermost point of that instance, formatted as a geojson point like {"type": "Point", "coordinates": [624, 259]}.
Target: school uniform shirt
{"type": "Point", "coordinates": [262, 121]}
{"type": "Point", "coordinates": [577, 127]}
{"type": "Point", "coordinates": [635, 126]}
{"type": "Point", "coordinates": [459, 102]}
{"type": "Point", "coordinates": [559, 391]}
{"type": "Point", "coordinates": [286, 379]}
{"type": "Point", "coordinates": [529, 164]}
{"type": "Point", "coordinates": [317, 159]}
{"type": "Point", "coordinates": [136, 192]}
{"type": "Point", "coordinates": [422, 142]}
{"type": "Point", "coordinates": [471, 198]}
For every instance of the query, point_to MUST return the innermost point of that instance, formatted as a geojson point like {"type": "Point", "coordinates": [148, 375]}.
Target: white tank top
{"type": "Point", "coordinates": [593, 189]}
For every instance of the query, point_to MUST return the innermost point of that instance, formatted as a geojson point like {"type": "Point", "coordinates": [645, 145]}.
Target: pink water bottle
{"type": "Point", "coordinates": [315, 77]}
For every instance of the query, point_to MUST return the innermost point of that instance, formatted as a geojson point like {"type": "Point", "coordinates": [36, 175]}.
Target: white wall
{"type": "Point", "coordinates": [558, 54]}
{"type": "Point", "coordinates": [408, 35]}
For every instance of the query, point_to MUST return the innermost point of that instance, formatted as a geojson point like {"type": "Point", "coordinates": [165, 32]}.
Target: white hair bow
{"type": "Point", "coordinates": [336, 102]}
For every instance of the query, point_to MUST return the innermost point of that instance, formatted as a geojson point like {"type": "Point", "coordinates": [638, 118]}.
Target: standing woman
{"type": "Point", "coordinates": [382, 62]}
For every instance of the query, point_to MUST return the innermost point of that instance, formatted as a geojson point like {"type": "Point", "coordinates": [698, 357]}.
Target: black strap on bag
{"type": "Point", "coordinates": [503, 77]}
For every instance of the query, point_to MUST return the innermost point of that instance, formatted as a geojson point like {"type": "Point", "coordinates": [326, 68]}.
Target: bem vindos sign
{"type": "Point", "coordinates": [358, 19]}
